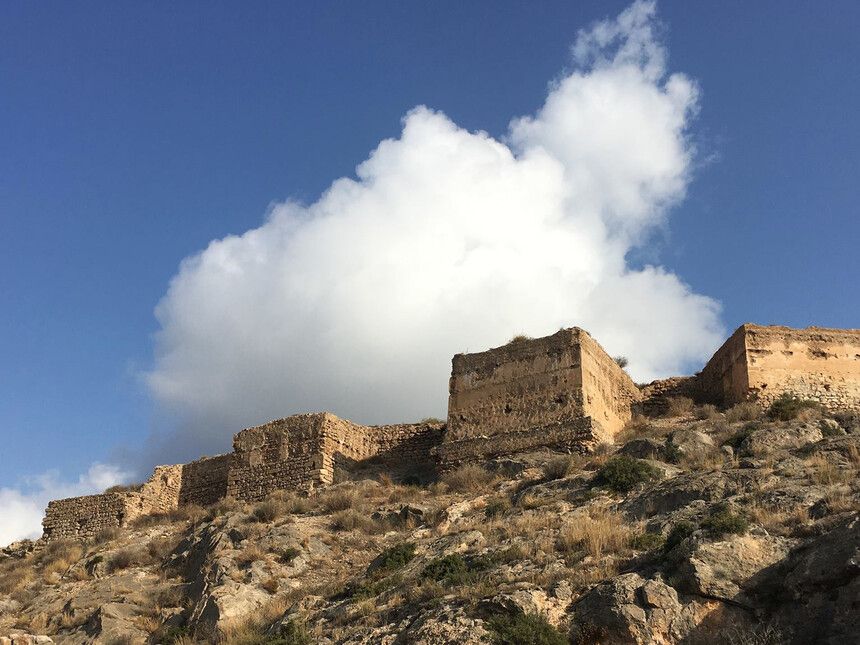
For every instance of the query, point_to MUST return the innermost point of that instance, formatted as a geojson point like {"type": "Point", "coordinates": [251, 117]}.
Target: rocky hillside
{"type": "Point", "coordinates": [697, 527]}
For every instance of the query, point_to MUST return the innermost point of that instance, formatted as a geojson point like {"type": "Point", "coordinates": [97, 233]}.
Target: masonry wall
{"type": "Point", "coordinates": [723, 381]}
{"type": "Point", "coordinates": [204, 481]}
{"type": "Point", "coordinates": [81, 518]}
{"type": "Point", "coordinates": [286, 453]}
{"type": "Point", "coordinates": [522, 385]}
{"type": "Point", "coordinates": [608, 391]}
{"type": "Point", "coordinates": [813, 363]}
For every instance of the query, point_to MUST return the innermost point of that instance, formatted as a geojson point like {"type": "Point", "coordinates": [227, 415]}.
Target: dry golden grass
{"type": "Point", "coordinates": [351, 519]}
{"type": "Point", "coordinates": [704, 459]}
{"type": "Point", "coordinates": [776, 520]}
{"type": "Point", "coordinates": [707, 412]}
{"type": "Point", "coordinates": [745, 411]}
{"type": "Point", "coordinates": [468, 479]}
{"type": "Point", "coordinates": [338, 499]}
{"type": "Point", "coordinates": [853, 454]}
{"type": "Point", "coordinates": [15, 576]}
{"type": "Point", "coordinates": [599, 533]}
{"type": "Point", "coordinates": [250, 630]}
{"type": "Point", "coordinates": [822, 471]}
{"type": "Point", "coordinates": [270, 585]}
{"type": "Point", "coordinates": [679, 406]}
{"type": "Point", "coordinates": [250, 554]}
{"type": "Point", "coordinates": [840, 501]}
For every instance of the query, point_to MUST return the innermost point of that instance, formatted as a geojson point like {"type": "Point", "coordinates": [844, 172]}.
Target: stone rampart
{"type": "Point", "coordinates": [204, 481]}
{"type": "Point", "coordinates": [762, 363]}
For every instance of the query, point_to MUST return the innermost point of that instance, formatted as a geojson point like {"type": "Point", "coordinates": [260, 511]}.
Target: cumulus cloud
{"type": "Point", "coordinates": [21, 508]}
{"type": "Point", "coordinates": [448, 240]}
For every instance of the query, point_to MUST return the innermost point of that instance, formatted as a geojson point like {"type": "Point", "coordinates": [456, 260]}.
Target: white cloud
{"type": "Point", "coordinates": [448, 240]}
{"type": "Point", "coordinates": [21, 508]}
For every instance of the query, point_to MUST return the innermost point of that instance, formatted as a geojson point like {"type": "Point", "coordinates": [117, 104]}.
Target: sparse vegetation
{"type": "Point", "coordinates": [524, 629]}
{"type": "Point", "coordinates": [622, 474]}
{"type": "Point", "coordinates": [723, 521]}
{"type": "Point", "coordinates": [468, 479]}
{"type": "Point", "coordinates": [122, 559]}
{"type": "Point", "coordinates": [679, 406]}
{"type": "Point", "coordinates": [621, 361]}
{"type": "Point", "coordinates": [679, 532]}
{"type": "Point", "coordinates": [519, 338]}
{"type": "Point", "coordinates": [496, 507]}
{"type": "Point", "coordinates": [558, 467]}
{"type": "Point", "coordinates": [647, 541]}
{"type": "Point", "coordinates": [744, 411]}
{"type": "Point", "coordinates": [267, 511]}
{"type": "Point", "coordinates": [338, 499]}
{"type": "Point", "coordinates": [596, 535]}
{"type": "Point", "coordinates": [788, 406]}
{"type": "Point", "coordinates": [395, 557]}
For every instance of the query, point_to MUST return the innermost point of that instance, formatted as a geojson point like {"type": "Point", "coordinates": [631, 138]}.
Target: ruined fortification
{"type": "Point", "coordinates": [562, 391]}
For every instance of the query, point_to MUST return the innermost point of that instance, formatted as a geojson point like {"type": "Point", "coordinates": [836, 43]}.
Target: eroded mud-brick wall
{"type": "Point", "coordinates": [204, 481]}
{"type": "Point", "coordinates": [763, 362]}
{"type": "Point", "coordinates": [813, 363]}
{"type": "Point", "coordinates": [608, 391]}
{"type": "Point", "coordinates": [522, 385]}
{"type": "Point", "coordinates": [535, 388]}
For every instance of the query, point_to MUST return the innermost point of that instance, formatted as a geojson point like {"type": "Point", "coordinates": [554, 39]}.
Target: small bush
{"type": "Point", "coordinates": [558, 467]}
{"type": "Point", "coordinates": [441, 568]}
{"type": "Point", "coordinates": [395, 557]}
{"type": "Point", "coordinates": [524, 629]}
{"type": "Point", "coordinates": [646, 541]}
{"type": "Point", "coordinates": [673, 453]}
{"type": "Point", "coordinates": [270, 585]}
{"type": "Point", "coordinates": [339, 499]}
{"type": "Point", "coordinates": [293, 632]}
{"type": "Point", "coordinates": [744, 411]}
{"type": "Point", "coordinates": [289, 554]}
{"type": "Point", "coordinates": [621, 361]}
{"type": "Point", "coordinates": [496, 507]}
{"type": "Point", "coordinates": [124, 488]}
{"type": "Point", "coordinates": [466, 479]}
{"type": "Point", "coordinates": [789, 406]}
{"type": "Point", "coordinates": [250, 554]}
{"type": "Point", "coordinates": [351, 519]}
{"type": "Point", "coordinates": [106, 535]}
{"type": "Point", "coordinates": [679, 406]}
{"type": "Point", "coordinates": [623, 473]}
{"type": "Point", "coordinates": [722, 521]}
{"type": "Point", "coordinates": [519, 338]}
{"type": "Point", "coordinates": [679, 532]}
{"type": "Point", "coordinates": [431, 420]}
{"type": "Point", "coordinates": [267, 511]}
{"type": "Point", "coordinates": [122, 559]}
{"type": "Point", "coordinates": [707, 412]}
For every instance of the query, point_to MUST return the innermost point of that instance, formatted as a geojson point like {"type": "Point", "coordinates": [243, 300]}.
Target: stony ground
{"type": "Point", "coordinates": [697, 527]}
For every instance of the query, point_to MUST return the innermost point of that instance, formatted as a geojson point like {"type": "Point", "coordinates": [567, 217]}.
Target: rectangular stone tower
{"type": "Point", "coordinates": [563, 391]}
{"type": "Point", "coordinates": [763, 362]}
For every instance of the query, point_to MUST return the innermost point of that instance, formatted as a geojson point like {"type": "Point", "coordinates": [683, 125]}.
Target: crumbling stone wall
{"type": "Point", "coordinates": [306, 451]}
{"type": "Point", "coordinates": [204, 481]}
{"type": "Point", "coordinates": [535, 388]}
{"type": "Point", "coordinates": [763, 362]}
{"type": "Point", "coordinates": [83, 517]}
{"type": "Point", "coordinates": [608, 391]}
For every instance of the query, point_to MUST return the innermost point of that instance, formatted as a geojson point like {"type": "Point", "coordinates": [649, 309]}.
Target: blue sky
{"type": "Point", "coordinates": [134, 134]}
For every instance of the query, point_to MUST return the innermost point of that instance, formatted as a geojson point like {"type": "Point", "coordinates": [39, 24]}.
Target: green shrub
{"type": "Point", "coordinates": [621, 361]}
{"type": "Point", "coordinates": [672, 452]}
{"type": "Point", "coordinates": [679, 532]}
{"type": "Point", "coordinates": [646, 541]}
{"type": "Point", "coordinates": [524, 629]}
{"type": "Point", "coordinates": [289, 554]}
{"type": "Point", "coordinates": [557, 468]}
{"type": "Point", "coordinates": [448, 569]}
{"type": "Point", "coordinates": [722, 521]}
{"type": "Point", "coordinates": [396, 557]}
{"type": "Point", "coordinates": [623, 473]}
{"type": "Point", "coordinates": [496, 507]}
{"type": "Point", "coordinates": [788, 406]}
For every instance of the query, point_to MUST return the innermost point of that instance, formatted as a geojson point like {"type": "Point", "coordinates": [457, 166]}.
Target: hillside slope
{"type": "Point", "coordinates": [697, 527]}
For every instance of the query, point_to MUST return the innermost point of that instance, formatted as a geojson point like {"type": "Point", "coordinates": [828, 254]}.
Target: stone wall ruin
{"type": "Point", "coordinates": [561, 392]}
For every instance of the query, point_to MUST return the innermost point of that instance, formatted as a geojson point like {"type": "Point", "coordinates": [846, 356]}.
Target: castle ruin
{"type": "Point", "coordinates": [560, 392]}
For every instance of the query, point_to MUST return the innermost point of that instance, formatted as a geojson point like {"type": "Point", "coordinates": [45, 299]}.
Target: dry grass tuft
{"type": "Point", "coordinates": [824, 472]}
{"type": "Point", "coordinates": [745, 411]}
{"type": "Point", "coordinates": [338, 499]}
{"type": "Point", "coordinates": [351, 519]}
{"type": "Point", "coordinates": [250, 554]}
{"type": "Point", "coordinates": [597, 534]}
{"type": "Point", "coordinates": [707, 412]}
{"type": "Point", "coordinates": [468, 479]}
{"type": "Point", "coordinates": [679, 406]}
